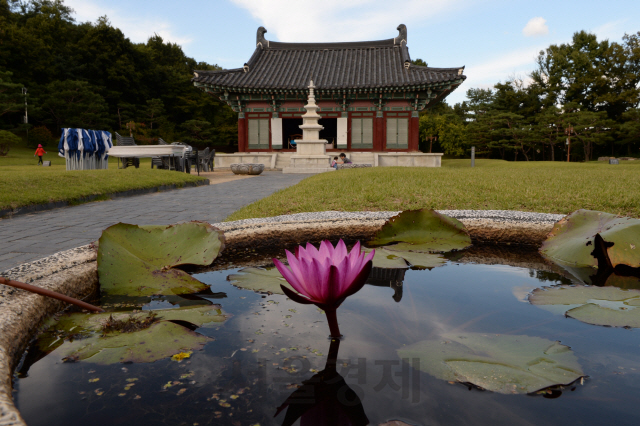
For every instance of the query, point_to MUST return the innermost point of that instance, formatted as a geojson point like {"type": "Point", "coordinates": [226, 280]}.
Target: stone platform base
{"type": "Point", "coordinates": [307, 169]}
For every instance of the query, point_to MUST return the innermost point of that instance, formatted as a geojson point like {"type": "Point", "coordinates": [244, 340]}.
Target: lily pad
{"type": "Point", "coordinates": [386, 258]}
{"type": "Point", "coordinates": [82, 326]}
{"type": "Point", "coordinates": [161, 340]}
{"type": "Point", "coordinates": [499, 363]}
{"type": "Point", "coordinates": [81, 336]}
{"type": "Point", "coordinates": [572, 239]}
{"type": "Point", "coordinates": [416, 259]}
{"type": "Point", "coordinates": [138, 260]}
{"type": "Point", "coordinates": [608, 306]}
{"type": "Point", "coordinates": [423, 230]}
{"type": "Point", "coordinates": [261, 280]}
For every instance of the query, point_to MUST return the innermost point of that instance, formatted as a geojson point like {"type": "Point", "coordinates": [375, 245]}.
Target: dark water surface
{"type": "Point", "coordinates": [271, 344]}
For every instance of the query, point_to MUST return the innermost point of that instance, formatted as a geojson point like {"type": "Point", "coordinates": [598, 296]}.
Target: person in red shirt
{"type": "Point", "coordinates": [40, 152]}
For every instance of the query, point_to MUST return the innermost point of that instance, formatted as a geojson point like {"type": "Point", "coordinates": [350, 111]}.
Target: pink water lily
{"type": "Point", "coordinates": [326, 276]}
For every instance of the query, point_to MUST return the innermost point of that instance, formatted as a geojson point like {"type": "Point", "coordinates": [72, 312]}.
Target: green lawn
{"type": "Point", "coordinates": [492, 185]}
{"type": "Point", "coordinates": [23, 182]}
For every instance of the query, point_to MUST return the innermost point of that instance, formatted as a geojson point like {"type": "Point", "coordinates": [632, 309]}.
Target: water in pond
{"type": "Point", "coordinates": [270, 345]}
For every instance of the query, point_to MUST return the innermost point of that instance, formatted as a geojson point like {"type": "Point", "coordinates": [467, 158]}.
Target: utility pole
{"type": "Point", "coordinates": [26, 115]}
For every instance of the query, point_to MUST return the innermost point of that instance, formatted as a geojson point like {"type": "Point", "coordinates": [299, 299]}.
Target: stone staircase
{"type": "Point", "coordinates": [283, 159]}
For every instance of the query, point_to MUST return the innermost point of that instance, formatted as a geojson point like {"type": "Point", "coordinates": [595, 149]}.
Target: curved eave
{"type": "Point", "coordinates": [439, 85]}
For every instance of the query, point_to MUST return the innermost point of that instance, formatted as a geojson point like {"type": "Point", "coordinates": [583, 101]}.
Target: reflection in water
{"type": "Point", "coordinates": [324, 399]}
{"type": "Point", "coordinates": [242, 376]}
{"type": "Point", "coordinates": [381, 277]}
{"type": "Point", "coordinates": [606, 274]}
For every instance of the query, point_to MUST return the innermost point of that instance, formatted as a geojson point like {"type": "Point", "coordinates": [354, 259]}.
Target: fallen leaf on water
{"type": "Point", "coordinates": [122, 394]}
{"type": "Point", "coordinates": [181, 391]}
{"type": "Point", "coordinates": [94, 380]}
{"type": "Point", "coordinates": [131, 380]}
{"type": "Point", "coordinates": [180, 356]}
{"type": "Point", "coordinates": [98, 391]}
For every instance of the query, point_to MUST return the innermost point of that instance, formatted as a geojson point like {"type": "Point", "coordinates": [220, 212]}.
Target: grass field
{"type": "Point", "coordinates": [492, 185]}
{"type": "Point", "coordinates": [23, 182]}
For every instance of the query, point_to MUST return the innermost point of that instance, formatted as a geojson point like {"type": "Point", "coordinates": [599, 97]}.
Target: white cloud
{"type": "Point", "coordinates": [611, 30]}
{"type": "Point", "coordinates": [536, 27]}
{"type": "Point", "coordinates": [340, 20]}
{"type": "Point", "coordinates": [516, 63]}
{"type": "Point", "coordinates": [138, 29]}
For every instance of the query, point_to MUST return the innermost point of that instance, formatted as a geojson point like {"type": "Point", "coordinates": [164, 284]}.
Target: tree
{"type": "Point", "coordinates": [590, 128]}
{"type": "Point", "coordinates": [199, 132]}
{"type": "Point", "coordinates": [594, 75]}
{"type": "Point", "coordinates": [512, 133]}
{"type": "Point", "coordinates": [7, 140]}
{"type": "Point", "coordinates": [75, 104]}
{"type": "Point", "coordinates": [41, 42]}
{"type": "Point", "coordinates": [40, 135]}
{"type": "Point", "coordinates": [453, 137]}
{"type": "Point", "coordinates": [154, 112]}
{"type": "Point", "coordinates": [11, 99]}
{"type": "Point", "coordinates": [480, 101]}
{"type": "Point", "coordinates": [445, 129]}
{"type": "Point", "coordinates": [549, 129]}
{"type": "Point", "coordinates": [430, 127]}
{"type": "Point", "coordinates": [630, 128]}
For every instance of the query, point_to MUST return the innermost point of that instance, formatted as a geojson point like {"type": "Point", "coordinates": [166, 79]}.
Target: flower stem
{"type": "Point", "coordinates": [332, 318]}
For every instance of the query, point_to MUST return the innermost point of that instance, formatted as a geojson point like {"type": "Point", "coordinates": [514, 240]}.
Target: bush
{"type": "Point", "coordinates": [41, 135]}
{"type": "Point", "coordinates": [7, 140]}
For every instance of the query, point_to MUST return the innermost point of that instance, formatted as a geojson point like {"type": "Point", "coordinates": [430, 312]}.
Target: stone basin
{"type": "Point", "coordinates": [247, 168]}
{"type": "Point", "coordinates": [74, 272]}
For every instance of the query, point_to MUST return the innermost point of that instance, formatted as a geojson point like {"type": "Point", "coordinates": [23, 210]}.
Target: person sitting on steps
{"type": "Point", "coordinates": [344, 159]}
{"type": "Point", "coordinates": [334, 163]}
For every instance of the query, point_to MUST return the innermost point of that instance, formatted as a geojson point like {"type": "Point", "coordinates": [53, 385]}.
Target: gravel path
{"type": "Point", "coordinates": [33, 236]}
{"type": "Point", "coordinates": [506, 216]}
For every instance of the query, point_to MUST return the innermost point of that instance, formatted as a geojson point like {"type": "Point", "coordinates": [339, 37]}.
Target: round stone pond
{"type": "Point", "coordinates": [455, 343]}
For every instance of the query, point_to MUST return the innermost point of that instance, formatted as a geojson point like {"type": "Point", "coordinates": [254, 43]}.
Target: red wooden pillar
{"type": "Point", "coordinates": [414, 134]}
{"type": "Point", "coordinates": [379, 136]}
{"type": "Point", "coordinates": [243, 145]}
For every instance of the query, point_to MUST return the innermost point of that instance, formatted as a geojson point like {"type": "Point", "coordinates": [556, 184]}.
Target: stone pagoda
{"type": "Point", "coordinates": [311, 155]}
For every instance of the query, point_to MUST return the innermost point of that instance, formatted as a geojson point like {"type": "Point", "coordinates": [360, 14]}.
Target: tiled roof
{"type": "Point", "coordinates": [366, 65]}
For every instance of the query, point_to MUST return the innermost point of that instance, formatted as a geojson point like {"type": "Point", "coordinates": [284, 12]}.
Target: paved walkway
{"type": "Point", "coordinates": [33, 236]}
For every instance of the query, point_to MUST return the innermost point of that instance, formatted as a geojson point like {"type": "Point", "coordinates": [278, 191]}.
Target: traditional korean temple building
{"type": "Point", "coordinates": [369, 93]}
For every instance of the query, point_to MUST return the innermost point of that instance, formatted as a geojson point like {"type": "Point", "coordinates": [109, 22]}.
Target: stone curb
{"type": "Point", "coordinates": [74, 272]}
{"type": "Point", "coordinates": [8, 213]}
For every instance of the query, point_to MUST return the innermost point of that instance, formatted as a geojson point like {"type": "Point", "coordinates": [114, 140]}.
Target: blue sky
{"type": "Point", "coordinates": [494, 39]}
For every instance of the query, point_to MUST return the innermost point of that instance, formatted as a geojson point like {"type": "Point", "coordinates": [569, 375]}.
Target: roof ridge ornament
{"type": "Point", "coordinates": [260, 40]}
{"type": "Point", "coordinates": [402, 35]}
